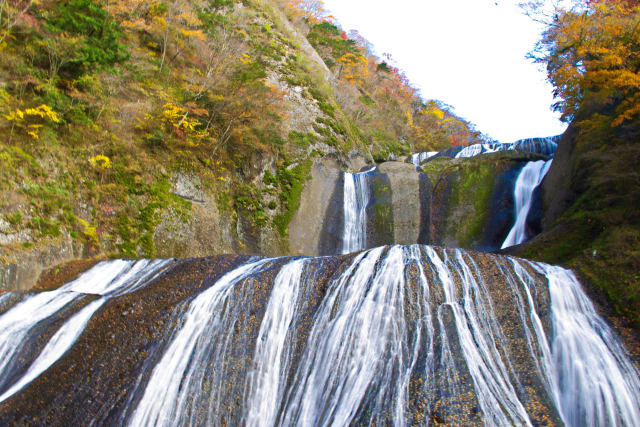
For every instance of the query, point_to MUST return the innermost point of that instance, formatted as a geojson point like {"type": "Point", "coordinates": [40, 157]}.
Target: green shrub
{"type": "Point", "coordinates": [302, 140]}
{"type": "Point", "coordinates": [99, 33]}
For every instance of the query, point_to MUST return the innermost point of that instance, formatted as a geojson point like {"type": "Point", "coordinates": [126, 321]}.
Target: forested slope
{"type": "Point", "coordinates": [175, 128]}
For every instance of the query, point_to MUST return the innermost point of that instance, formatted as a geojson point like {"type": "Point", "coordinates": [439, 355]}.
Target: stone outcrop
{"type": "Point", "coordinates": [472, 202]}
{"type": "Point", "coordinates": [465, 203]}
{"type": "Point", "coordinates": [316, 228]}
{"type": "Point", "coordinates": [20, 273]}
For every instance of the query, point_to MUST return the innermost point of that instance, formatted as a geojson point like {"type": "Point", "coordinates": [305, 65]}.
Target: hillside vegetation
{"type": "Point", "coordinates": [105, 106]}
{"type": "Point", "coordinates": [592, 194]}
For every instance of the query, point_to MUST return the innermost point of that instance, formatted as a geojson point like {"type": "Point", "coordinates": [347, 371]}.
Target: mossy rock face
{"type": "Point", "coordinates": [472, 202]}
{"type": "Point", "coordinates": [380, 225]}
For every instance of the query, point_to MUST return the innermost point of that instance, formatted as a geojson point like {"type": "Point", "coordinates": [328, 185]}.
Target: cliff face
{"type": "Point", "coordinates": [466, 202]}
{"type": "Point", "coordinates": [162, 192]}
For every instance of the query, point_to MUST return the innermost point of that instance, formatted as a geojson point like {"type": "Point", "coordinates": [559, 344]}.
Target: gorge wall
{"type": "Point", "coordinates": [455, 198]}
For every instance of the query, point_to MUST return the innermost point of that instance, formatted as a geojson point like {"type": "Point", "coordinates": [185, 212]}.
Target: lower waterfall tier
{"type": "Point", "coordinates": [398, 335]}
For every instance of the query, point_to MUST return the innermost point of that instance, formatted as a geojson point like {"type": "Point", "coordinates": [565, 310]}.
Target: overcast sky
{"type": "Point", "coordinates": [469, 54]}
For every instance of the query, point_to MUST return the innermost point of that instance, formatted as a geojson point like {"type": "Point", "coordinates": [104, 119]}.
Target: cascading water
{"type": "Point", "coordinates": [528, 180]}
{"type": "Point", "coordinates": [418, 158]}
{"type": "Point", "coordinates": [544, 146]}
{"type": "Point", "coordinates": [356, 196]}
{"type": "Point", "coordinates": [396, 335]}
{"type": "Point", "coordinates": [174, 392]}
{"type": "Point", "coordinates": [22, 325]}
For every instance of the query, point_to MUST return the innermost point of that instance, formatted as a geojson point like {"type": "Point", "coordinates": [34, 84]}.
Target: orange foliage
{"type": "Point", "coordinates": [313, 10]}
{"type": "Point", "coordinates": [592, 56]}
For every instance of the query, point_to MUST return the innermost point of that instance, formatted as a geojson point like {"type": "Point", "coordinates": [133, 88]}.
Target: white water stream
{"type": "Point", "coordinates": [398, 335]}
{"type": "Point", "coordinates": [373, 335]}
{"type": "Point", "coordinates": [418, 158]}
{"type": "Point", "coordinates": [356, 197]}
{"type": "Point", "coordinates": [172, 393]}
{"type": "Point", "coordinates": [107, 279]}
{"type": "Point", "coordinates": [528, 180]}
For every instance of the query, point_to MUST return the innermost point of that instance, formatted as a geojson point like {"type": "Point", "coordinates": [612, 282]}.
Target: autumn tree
{"type": "Point", "coordinates": [353, 68]}
{"type": "Point", "coordinates": [312, 10]}
{"type": "Point", "coordinates": [96, 34]}
{"type": "Point", "coordinates": [592, 58]}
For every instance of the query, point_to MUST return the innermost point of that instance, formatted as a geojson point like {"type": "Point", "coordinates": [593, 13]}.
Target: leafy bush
{"type": "Point", "coordinates": [98, 33]}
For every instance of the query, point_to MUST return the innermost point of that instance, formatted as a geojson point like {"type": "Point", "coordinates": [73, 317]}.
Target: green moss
{"type": "Point", "coordinates": [384, 143]}
{"type": "Point", "coordinates": [382, 220]}
{"type": "Point", "coordinates": [291, 183]}
{"type": "Point", "coordinates": [381, 213]}
{"type": "Point", "coordinates": [45, 227]}
{"type": "Point", "coordinates": [327, 108]}
{"type": "Point", "coordinates": [123, 226]}
{"type": "Point", "coordinates": [470, 201]}
{"type": "Point", "coordinates": [337, 128]}
{"type": "Point", "coordinates": [602, 247]}
{"type": "Point", "coordinates": [434, 168]}
{"type": "Point", "coordinates": [15, 219]}
{"type": "Point", "coordinates": [302, 140]}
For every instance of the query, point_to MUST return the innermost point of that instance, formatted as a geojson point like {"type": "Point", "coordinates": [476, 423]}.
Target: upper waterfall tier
{"type": "Point", "coordinates": [396, 335]}
{"type": "Point", "coordinates": [543, 146]}
{"type": "Point", "coordinates": [357, 194]}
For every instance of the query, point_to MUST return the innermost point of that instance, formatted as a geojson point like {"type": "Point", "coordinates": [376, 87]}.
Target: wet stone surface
{"type": "Point", "coordinates": [410, 334]}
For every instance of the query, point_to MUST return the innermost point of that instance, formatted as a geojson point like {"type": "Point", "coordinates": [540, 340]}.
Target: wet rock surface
{"type": "Point", "coordinates": [465, 322]}
{"type": "Point", "coordinates": [317, 226]}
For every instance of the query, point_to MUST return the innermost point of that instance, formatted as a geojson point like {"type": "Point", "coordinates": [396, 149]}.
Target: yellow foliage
{"type": "Point", "coordinates": [178, 118]}
{"type": "Point", "coordinates": [160, 22]}
{"type": "Point", "coordinates": [90, 232]}
{"type": "Point", "coordinates": [312, 10]}
{"type": "Point", "coordinates": [17, 115]}
{"type": "Point", "coordinates": [354, 67]}
{"type": "Point", "coordinates": [43, 111]}
{"type": "Point", "coordinates": [20, 117]}
{"type": "Point", "coordinates": [4, 96]}
{"type": "Point", "coordinates": [593, 54]}
{"type": "Point", "coordinates": [197, 34]}
{"type": "Point", "coordinates": [100, 161]}
{"type": "Point", "coordinates": [435, 112]}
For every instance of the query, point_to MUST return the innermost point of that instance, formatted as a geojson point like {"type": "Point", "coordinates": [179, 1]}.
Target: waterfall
{"type": "Point", "coordinates": [587, 357]}
{"type": "Point", "coordinates": [528, 180]}
{"type": "Point", "coordinates": [272, 356]}
{"type": "Point", "coordinates": [18, 324]}
{"type": "Point", "coordinates": [544, 146]}
{"type": "Point", "coordinates": [418, 158]}
{"type": "Point", "coordinates": [395, 335]}
{"type": "Point", "coordinates": [174, 391]}
{"type": "Point", "coordinates": [357, 194]}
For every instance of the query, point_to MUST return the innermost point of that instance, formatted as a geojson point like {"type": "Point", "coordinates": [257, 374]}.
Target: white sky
{"type": "Point", "coordinates": [469, 54]}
